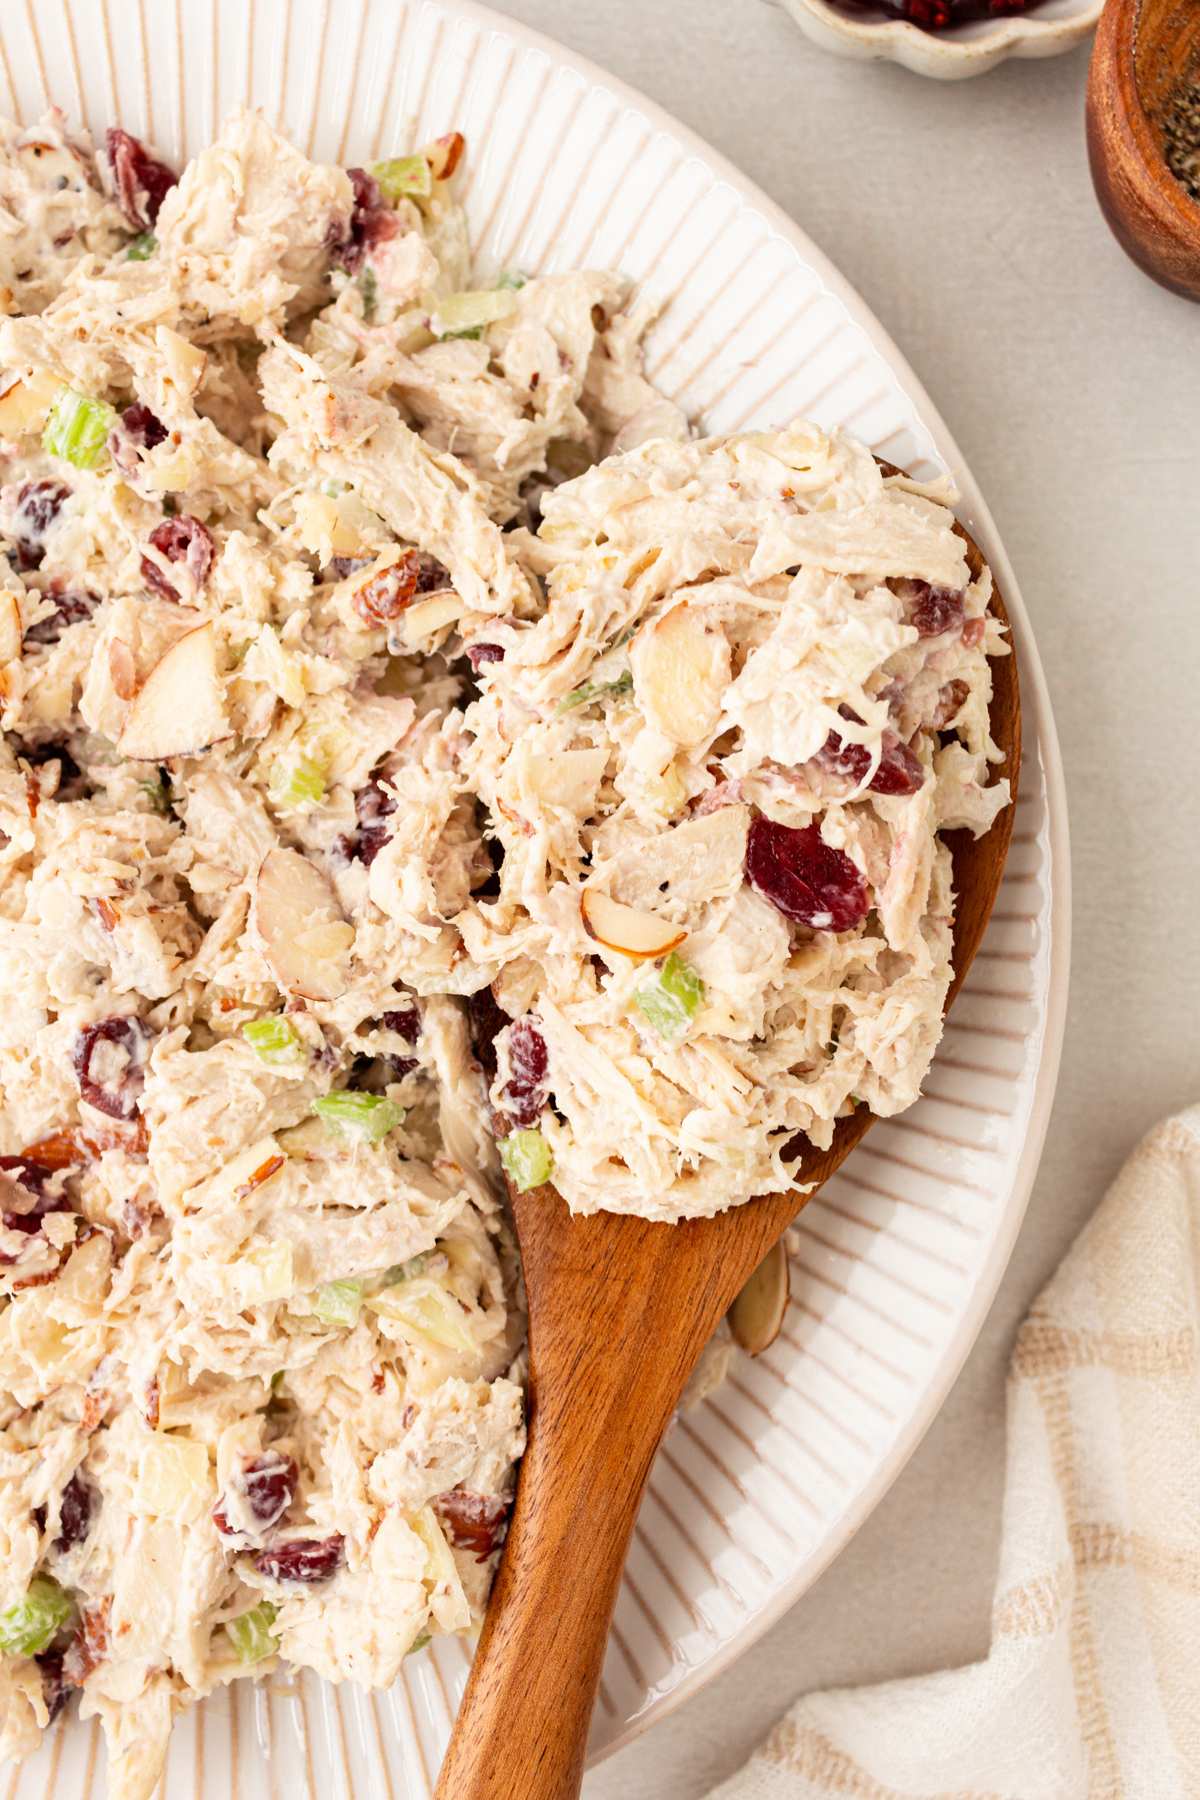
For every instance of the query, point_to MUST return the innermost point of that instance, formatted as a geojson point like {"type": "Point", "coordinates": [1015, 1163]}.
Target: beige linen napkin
{"type": "Point", "coordinates": [1091, 1689]}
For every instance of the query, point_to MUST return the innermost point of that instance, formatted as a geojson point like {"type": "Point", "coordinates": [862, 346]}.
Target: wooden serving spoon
{"type": "Point", "coordinates": [619, 1310]}
{"type": "Point", "coordinates": [1145, 49]}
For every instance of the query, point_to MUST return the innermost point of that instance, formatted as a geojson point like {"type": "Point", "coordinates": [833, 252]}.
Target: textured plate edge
{"type": "Point", "coordinates": [979, 519]}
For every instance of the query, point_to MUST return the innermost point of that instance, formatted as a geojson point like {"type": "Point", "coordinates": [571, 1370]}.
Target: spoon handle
{"type": "Point", "coordinates": [524, 1720]}
{"type": "Point", "coordinates": [613, 1337]}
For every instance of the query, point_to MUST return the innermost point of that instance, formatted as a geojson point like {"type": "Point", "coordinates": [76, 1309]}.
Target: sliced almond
{"type": "Point", "coordinates": [757, 1314]}
{"type": "Point", "coordinates": [641, 935]}
{"type": "Point", "coordinates": [300, 930]}
{"type": "Point", "coordinates": [10, 626]}
{"type": "Point", "coordinates": [122, 671]}
{"type": "Point", "coordinates": [179, 709]}
{"type": "Point", "coordinates": [445, 154]}
{"type": "Point", "coordinates": [424, 618]}
{"type": "Point", "coordinates": [680, 672]}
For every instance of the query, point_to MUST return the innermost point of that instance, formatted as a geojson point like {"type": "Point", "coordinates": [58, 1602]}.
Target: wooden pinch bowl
{"type": "Point", "coordinates": [1143, 50]}
{"type": "Point", "coordinates": [619, 1311]}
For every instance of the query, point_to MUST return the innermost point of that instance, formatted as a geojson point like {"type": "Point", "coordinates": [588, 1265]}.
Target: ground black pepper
{"type": "Point", "coordinates": [1181, 134]}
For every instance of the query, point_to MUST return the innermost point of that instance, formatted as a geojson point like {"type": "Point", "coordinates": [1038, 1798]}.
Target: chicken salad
{"type": "Point", "coordinates": [424, 756]}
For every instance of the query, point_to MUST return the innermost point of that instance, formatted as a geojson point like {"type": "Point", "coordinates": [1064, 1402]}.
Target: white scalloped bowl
{"type": "Point", "coordinates": [952, 55]}
{"type": "Point", "coordinates": [898, 1258]}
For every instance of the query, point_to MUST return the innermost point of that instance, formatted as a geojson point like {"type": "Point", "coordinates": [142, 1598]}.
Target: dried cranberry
{"type": "Point", "coordinates": [933, 610]}
{"type": "Point", "coordinates": [900, 770]}
{"type": "Point", "coordinates": [806, 878]}
{"type": "Point", "coordinates": [372, 805]}
{"type": "Point", "coordinates": [432, 575]}
{"type": "Point", "coordinates": [23, 1189]}
{"type": "Point", "coordinates": [528, 1061]}
{"type": "Point", "coordinates": [269, 1483]}
{"type": "Point", "coordinates": [473, 1521]}
{"type": "Point", "coordinates": [117, 1093]}
{"type": "Point", "coordinates": [897, 772]}
{"type": "Point", "coordinates": [371, 222]}
{"type": "Point", "coordinates": [486, 1020]}
{"type": "Point", "coordinates": [302, 1559]}
{"type": "Point", "coordinates": [478, 654]}
{"type": "Point", "coordinates": [182, 540]}
{"type": "Point", "coordinates": [950, 702]}
{"type": "Point", "coordinates": [26, 1181]}
{"type": "Point", "coordinates": [842, 757]}
{"type": "Point", "coordinates": [75, 1512]}
{"type": "Point", "coordinates": [70, 608]}
{"type": "Point", "coordinates": [937, 15]}
{"type": "Point", "coordinates": [266, 1485]}
{"type": "Point", "coordinates": [406, 1024]}
{"type": "Point", "coordinates": [142, 182]}
{"type": "Point", "coordinates": [338, 567]}
{"type": "Point", "coordinates": [143, 427]}
{"type": "Point", "coordinates": [56, 1689]}
{"type": "Point", "coordinates": [38, 505]}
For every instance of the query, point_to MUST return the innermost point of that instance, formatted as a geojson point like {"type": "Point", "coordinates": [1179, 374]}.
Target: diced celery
{"type": "Point", "coordinates": [404, 177]}
{"type": "Point", "coordinates": [142, 247]}
{"type": "Point", "coordinates": [77, 428]}
{"type": "Point", "coordinates": [596, 690]}
{"type": "Point", "coordinates": [419, 1642]}
{"type": "Point", "coordinates": [368, 287]}
{"type": "Point", "coordinates": [460, 313]}
{"type": "Point", "coordinates": [364, 1118]}
{"type": "Point", "coordinates": [511, 278]}
{"type": "Point", "coordinates": [30, 1625]}
{"type": "Point", "coordinates": [671, 1001]}
{"type": "Point", "coordinates": [274, 1041]}
{"type": "Point", "coordinates": [299, 783]}
{"type": "Point", "coordinates": [338, 1302]}
{"type": "Point", "coordinates": [156, 794]}
{"type": "Point", "coordinates": [404, 1271]}
{"type": "Point", "coordinates": [251, 1634]}
{"type": "Point", "coordinates": [527, 1158]}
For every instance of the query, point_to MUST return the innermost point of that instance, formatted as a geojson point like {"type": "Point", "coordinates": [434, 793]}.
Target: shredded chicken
{"type": "Point", "coordinates": [261, 1341]}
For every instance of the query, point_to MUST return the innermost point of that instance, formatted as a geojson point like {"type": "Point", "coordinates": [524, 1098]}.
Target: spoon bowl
{"type": "Point", "coordinates": [1144, 50]}
{"type": "Point", "coordinates": [619, 1311]}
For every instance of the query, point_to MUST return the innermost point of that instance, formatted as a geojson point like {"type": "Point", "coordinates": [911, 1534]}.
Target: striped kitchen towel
{"type": "Point", "coordinates": [1091, 1689]}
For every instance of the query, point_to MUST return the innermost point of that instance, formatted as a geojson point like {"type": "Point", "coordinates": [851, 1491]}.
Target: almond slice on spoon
{"type": "Point", "coordinates": [641, 935]}
{"type": "Point", "coordinates": [757, 1314]}
{"type": "Point", "coordinates": [300, 929]}
{"type": "Point", "coordinates": [179, 709]}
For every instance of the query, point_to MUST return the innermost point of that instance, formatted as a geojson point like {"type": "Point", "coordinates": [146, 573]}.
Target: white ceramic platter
{"type": "Point", "coordinates": [899, 1257]}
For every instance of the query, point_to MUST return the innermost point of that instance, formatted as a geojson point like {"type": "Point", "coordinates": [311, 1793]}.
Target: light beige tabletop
{"type": "Point", "coordinates": [964, 215]}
